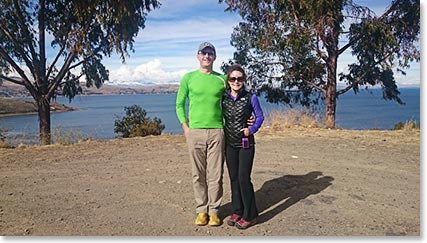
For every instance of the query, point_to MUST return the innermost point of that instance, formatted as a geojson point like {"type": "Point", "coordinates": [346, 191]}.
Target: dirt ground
{"type": "Point", "coordinates": [308, 182]}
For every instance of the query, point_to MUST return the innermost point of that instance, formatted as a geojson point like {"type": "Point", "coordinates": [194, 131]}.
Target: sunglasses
{"type": "Point", "coordinates": [239, 79]}
{"type": "Point", "coordinates": [210, 53]}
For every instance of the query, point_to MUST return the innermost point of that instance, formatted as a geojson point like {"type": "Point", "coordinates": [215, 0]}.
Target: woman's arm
{"type": "Point", "coordinates": [259, 115]}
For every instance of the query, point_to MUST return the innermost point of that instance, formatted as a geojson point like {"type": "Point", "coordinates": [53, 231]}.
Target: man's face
{"type": "Point", "coordinates": [206, 57]}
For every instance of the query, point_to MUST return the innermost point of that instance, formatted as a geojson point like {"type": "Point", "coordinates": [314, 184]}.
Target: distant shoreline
{"type": "Point", "coordinates": [11, 107]}
{"type": "Point", "coordinates": [8, 90]}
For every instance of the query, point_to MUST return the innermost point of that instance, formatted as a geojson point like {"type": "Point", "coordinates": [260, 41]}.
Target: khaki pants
{"type": "Point", "coordinates": [206, 148]}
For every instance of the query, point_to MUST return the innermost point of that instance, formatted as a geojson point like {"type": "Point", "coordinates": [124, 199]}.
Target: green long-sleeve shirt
{"type": "Point", "coordinates": [204, 92]}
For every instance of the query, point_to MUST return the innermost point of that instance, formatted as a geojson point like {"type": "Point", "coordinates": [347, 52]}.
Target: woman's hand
{"type": "Point", "coordinates": [251, 121]}
{"type": "Point", "coordinates": [245, 131]}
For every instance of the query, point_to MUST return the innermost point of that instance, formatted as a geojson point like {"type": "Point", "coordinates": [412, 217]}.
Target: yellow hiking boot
{"type": "Point", "coordinates": [214, 220]}
{"type": "Point", "coordinates": [202, 219]}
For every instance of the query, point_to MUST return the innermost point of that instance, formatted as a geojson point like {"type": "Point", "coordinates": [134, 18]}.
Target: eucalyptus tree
{"type": "Point", "coordinates": [80, 34]}
{"type": "Point", "coordinates": [291, 48]}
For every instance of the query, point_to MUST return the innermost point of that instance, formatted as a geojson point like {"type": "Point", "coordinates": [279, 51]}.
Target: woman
{"type": "Point", "coordinates": [238, 105]}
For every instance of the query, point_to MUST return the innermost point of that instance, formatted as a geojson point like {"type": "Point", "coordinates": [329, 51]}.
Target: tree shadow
{"type": "Point", "coordinates": [271, 196]}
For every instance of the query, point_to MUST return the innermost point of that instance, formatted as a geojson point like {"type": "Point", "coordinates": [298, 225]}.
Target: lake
{"type": "Point", "coordinates": [96, 114]}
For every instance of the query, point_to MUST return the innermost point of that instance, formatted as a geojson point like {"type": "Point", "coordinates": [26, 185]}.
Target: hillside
{"type": "Point", "coordinates": [18, 107]}
{"type": "Point", "coordinates": [10, 90]}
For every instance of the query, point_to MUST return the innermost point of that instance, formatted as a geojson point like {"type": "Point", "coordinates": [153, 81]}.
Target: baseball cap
{"type": "Point", "coordinates": [204, 45]}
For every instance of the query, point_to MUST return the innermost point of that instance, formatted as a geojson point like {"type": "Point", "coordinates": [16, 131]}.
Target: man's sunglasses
{"type": "Point", "coordinates": [239, 79]}
{"type": "Point", "coordinates": [210, 53]}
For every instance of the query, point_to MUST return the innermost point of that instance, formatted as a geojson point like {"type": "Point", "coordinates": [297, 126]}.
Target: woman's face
{"type": "Point", "coordinates": [236, 80]}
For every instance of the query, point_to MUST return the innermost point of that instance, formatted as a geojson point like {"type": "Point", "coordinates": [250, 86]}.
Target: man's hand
{"type": "Point", "coordinates": [185, 128]}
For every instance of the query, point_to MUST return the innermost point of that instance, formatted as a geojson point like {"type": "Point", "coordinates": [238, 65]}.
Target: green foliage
{"type": "Point", "coordinates": [82, 31]}
{"type": "Point", "coordinates": [81, 34]}
{"type": "Point", "coordinates": [136, 124]}
{"type": "Point", "coordinates": [288, 45]}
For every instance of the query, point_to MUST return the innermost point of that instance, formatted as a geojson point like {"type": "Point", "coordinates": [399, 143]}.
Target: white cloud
{"type": "Point", "coordinates": [147, 73]}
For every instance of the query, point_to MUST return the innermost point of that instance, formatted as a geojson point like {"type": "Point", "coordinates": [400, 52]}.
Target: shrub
{"type": "Point", "coordinates": [136, 124]}
{"type": "Point", "coordinates": [2, 136]}
{"type": "Point", "coordinates": [407, 126]}
{"type": "Point", "coordinates": [3, 139]}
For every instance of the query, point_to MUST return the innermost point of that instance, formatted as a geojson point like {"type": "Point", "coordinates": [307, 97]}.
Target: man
{"type": "Point", "coordinates": [204, 133]}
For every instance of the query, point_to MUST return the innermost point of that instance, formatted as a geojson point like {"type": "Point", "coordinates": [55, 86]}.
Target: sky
{"type": "Point", "coordinates": [166, 48]}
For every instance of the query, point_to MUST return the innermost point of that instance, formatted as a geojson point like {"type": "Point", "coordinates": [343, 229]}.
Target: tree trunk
{"type": "Point", "coordinates": [331, 104]}
{"type": "Point", "coordinates": [44, 120]}
{"type": "Point", "coordinates": [331, 89]}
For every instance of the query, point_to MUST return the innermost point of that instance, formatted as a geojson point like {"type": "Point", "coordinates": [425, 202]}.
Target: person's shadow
{"type": "Point", "coordinates": [271, 196]}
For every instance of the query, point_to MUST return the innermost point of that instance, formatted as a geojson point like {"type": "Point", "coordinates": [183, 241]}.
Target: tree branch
{"type": "Point", "coordinates": [55, 83]}
{"type": "Point", "coordinates": [15, 81]}
{"type": "Point", "coordinates": [315, 86]}
{"type": "Point", "coordinates": [19, 48]}
{"type": "Point", "coordinates": [27, 35]}
{"type": "Point", "coordinates": [42, 44]}
{"type": "Point", "coordinates": [359, 79]}
{"type": "Point", "coordinates": [21, 72]}
{"type": "Point", "coordinates": [78, 64]}
{"type": "Point", "coordinates": [53, 88]}
{"type": "Point", "coordinates": [391, 9]}
{"type": "Point", "coordinates": [60, 52]}
{"type": "Point", "coordinates": [384, 15]}
{"type": "Point", "coordinates": [354, 84]}
{"type": "Point", "coordinates": [318, 51]}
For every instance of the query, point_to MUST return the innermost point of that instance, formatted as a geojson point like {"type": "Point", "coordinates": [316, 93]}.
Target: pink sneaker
{"type": "Point", "coordinates": [244, 224]}
{"type": "Point", "coordinates": [233, 219]}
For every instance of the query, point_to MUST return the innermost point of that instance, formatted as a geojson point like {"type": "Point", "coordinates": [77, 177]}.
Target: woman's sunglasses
{"type": "Point", "coordinates": [239, 79]}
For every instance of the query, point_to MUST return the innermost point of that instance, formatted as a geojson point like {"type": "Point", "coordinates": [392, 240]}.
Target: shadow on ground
{"type": "Point", "coordinates": [278, 194]}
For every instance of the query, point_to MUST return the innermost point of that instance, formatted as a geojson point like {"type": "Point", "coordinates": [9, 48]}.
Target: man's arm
{"type": "Point", "coordinates": [181, 97]}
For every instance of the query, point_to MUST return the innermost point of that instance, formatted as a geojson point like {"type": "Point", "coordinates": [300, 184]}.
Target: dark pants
{"type": "Point", "coordinates": [239, 163]}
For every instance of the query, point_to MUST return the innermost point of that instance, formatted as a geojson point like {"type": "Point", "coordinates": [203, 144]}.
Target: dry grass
{"type": "Point", "coordinates": [407, 126]}
{"type": "Point", "coordinates": [59, 135]}
{"type": "Point", "coordinates": [279, 120]}
{"type": "Point", "coordinates": [67, 137]}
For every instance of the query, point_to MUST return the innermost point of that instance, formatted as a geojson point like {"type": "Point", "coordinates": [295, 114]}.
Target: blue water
{"type": "Point", "coordinates": [368, 110]}
{"type": "Point", "coordinates": [96, 114]}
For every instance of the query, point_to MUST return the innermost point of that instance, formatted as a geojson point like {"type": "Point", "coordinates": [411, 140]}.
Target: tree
{"type": "Point", "coordinates": [291, 48]}
{"type": "Point", "coordinates": [81, 32]}
{"type": "Point", "coordinates": [136, 124]}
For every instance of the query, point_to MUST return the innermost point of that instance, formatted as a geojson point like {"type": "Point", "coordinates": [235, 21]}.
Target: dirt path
{"type": "Point", "coordinates": [308, 183]}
